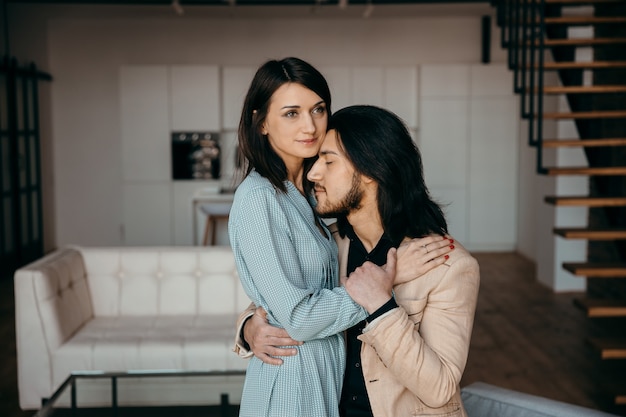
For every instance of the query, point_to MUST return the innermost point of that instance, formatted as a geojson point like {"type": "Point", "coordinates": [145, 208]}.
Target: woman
{"type": "Point", "coordinates": [286, 257]}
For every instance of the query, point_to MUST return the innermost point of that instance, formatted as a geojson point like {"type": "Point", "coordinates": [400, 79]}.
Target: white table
{"type": "Point", "coordinates": [210, 204]}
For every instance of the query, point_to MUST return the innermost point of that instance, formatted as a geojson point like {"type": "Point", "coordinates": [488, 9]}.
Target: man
{"type": "Point", "coordinates": [408, 356]}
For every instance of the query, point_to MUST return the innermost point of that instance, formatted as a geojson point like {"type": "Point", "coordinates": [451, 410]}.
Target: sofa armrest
{"type": "Point", "coordinates": [485, 400]}
{"type": "Point", "coordinates": [51, 303]}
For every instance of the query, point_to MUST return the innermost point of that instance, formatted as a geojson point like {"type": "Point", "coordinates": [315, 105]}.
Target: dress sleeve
{"type": "Point", "coordinates": [271, 272]}
{"type": "Point", "coordinates": [429, 359]}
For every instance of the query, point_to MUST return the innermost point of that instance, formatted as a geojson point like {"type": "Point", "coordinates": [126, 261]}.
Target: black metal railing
{"type": "Point", "coordinates": [523, 34]}
{"type": "Point", "coordinates": [21, 217]}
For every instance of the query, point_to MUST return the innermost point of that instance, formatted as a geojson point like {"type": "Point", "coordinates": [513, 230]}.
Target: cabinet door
{"type": "Point", "coordinates": [493, 173]}
{"type": "Point", "coordinates": [338, 79]}
{"type": "Point", "coordinates": [195, 98]}
{"type": "Point", "coordinates": [144, 123]}
{"type": "Point", "coordinates": [147, 214]}
{"type": "Point", "coordinates": [235, 84]}
{"type": "Point", "coordinates": [368, 86]}
{"type": "Point", "coordinates": [182, 201]}
{"type": "Point", "coordinates": [443, 144]}
{"type": "Point", "coordinates": [400, 84]}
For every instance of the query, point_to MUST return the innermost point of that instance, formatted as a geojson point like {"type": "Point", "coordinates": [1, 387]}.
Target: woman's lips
{"type": "Point", "coordinates": [311, 141]}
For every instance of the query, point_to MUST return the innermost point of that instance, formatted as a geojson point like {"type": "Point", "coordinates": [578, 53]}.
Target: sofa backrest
{"type": "Point", "coordinates": [53, 293]}
{"type": "Point", "coordinates": [163, 280]}
{"type": "Point", "coordinates": [485, 400]}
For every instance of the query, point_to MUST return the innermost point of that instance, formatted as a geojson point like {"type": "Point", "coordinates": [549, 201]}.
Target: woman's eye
{"type": "Point", "coordinates": [319, 110]}
{"type": "Point", "coordinates": [291, 114]}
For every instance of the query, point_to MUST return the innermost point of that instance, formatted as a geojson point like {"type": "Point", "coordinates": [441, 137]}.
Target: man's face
{"type": "Point", "coordinates": [337, 184]}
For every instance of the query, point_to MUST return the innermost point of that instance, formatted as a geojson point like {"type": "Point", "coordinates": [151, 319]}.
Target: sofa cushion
{"type": "Point", "coordinates": [182, 342]}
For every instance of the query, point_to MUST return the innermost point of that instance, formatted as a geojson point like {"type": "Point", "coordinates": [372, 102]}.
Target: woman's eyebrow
{"type": "Point", "coordinates": [296, 106]}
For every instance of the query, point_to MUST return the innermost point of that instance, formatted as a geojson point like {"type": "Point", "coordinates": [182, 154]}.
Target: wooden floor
{"type": "Point", "coordinates": [525, 338]}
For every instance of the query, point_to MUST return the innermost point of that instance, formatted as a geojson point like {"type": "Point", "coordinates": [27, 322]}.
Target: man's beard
{"type": "Point", "coordinates": [351, 201]}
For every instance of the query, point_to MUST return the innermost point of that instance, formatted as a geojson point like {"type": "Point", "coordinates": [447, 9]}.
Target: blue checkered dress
{"type": "Point", "coordinates": [290, 269]}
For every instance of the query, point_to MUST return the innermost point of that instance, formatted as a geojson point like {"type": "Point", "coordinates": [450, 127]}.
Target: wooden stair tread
{"type": "Point", "coordinates": [582, 1]}
{"type": "Point", "coordinates": [558, 143]}
{"type": "Point", "coordinates": [586, 170]}
{"type": "Point", "coordinates": [596, 269]}
{"type": "Point", "coordinates": [610, 348]}
{"type": "Point", "coordinates": [583, 20]}
{"type": "Point", "coordinates": [595, 307]}
{"type": "Point", "coordinates": [582, 89]}
{"type": "Point", "coordinates": [590, 234]}
{"type": "Point", "coordinates": [586, 201]}
{"type": "Point", "coordinates": [583, 65]}
{"type": "Point", "coordinates": [580, 41]}
{"type": "Point", "coordinates": [598, 114]}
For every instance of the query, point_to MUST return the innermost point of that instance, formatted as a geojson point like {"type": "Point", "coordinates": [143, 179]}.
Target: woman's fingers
{"type": "Point", "coordinates": [418, 256]}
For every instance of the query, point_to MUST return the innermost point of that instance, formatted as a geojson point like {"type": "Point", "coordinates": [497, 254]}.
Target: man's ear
{"type": "Point", "coordinates": [366, 180]}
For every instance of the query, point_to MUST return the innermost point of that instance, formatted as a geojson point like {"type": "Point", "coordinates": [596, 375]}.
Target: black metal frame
{"type": "Point", "coordinates": [48, 404]}
{"type": "Point", "coordinates": [21, 217]}
{"type": "Point", "coordinates": [523, 33]}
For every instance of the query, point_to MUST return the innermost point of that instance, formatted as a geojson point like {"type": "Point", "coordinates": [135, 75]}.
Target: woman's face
{"type": "Point", "coordinates": [295, 123]}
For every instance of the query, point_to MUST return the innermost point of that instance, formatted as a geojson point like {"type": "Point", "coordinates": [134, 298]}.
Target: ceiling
{"type": "Point", "coordinates": [341, 3]}
{"type": "Point", "coordinates": [257, 8]}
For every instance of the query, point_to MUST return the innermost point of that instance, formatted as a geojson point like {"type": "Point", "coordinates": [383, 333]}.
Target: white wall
{"type": "Point", "coordinates": [537, 219]}
{"type": "Point", "coordinates": [85, 54]}
{"type": "Point", "coordinates": [84, 51]}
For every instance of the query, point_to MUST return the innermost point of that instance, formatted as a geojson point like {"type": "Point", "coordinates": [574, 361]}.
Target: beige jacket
{"type": "Point", "coordinates": [413, 356]}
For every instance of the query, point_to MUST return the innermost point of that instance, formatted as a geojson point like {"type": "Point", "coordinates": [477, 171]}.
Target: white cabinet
{"type": "Point", "coordinates": [195, 98]}
{"type": "Point", "coordinates": [493, 172]}
{"type": "Point", "coordinates": [443, 144]}
{"type": "Point", "coordinates": [468, 139]}
{"type": "Point", "coordinates": [401, 92]}
{"type": "Point", "coordinates": [154, 101]}
{"type": "Point", "coordinates": [182, 211]}
{"type": "Point", "coordinates": [235, 84]}
{"type": "Point", "coordinates": [158, 99]}
{"type": "Point", "coordinates": [338, 79]}
{"type": "Point", "coordinates": [147, 214]}
{"type": "Point", "coordinates": [146, 161]}
{"type": "Point", "coordinates": [144, 121]}
{"type": "Point", "coordinates": [368, 86]}
{"type": "Point", "coordinates": [394, 88]}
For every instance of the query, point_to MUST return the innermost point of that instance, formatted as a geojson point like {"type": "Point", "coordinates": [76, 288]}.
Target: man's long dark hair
{"type": "Point", "coordinates": [253, 146]}
{"type": "Point", "coordinates": [379, 146]}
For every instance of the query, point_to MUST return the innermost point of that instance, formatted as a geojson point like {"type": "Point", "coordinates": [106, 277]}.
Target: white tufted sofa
{"type": "Point", "coordinates": [126, 308]}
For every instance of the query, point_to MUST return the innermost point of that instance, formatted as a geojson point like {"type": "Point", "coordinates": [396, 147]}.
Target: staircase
{"type": "Point", "coordinates": [546, 36]}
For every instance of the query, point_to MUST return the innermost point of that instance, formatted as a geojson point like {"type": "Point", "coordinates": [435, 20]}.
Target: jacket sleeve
{"type": "Point", "coordinates": [425, 342]}
{"type": "Point", "coordinates": [241, 348]}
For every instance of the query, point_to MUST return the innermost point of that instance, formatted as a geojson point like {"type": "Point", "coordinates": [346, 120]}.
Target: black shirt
{"type": "Point", "coordinates": [354, 400]}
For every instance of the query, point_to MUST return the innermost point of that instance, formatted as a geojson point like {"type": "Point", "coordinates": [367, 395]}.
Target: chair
{"type": "Point", "coordinates": [214, 212]}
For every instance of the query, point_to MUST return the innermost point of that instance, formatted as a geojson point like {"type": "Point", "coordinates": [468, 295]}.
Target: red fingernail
{"type": "Point", "coordinates": [451, 240]}
{"type": "Point", "coordinates": [451, 246]}
{"type": "Point", "coordinates": [447, 257]}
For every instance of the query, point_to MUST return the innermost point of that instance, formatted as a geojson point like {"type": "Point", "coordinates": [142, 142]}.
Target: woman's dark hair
{"type": "Point", "coordinates": [379, 146]}
{"type": "Point", "coordinates": [253, 146]}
